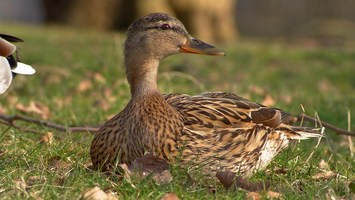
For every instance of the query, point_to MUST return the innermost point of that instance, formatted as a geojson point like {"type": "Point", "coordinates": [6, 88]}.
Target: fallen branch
{"type": "Point", "coordinates": [337, 130]}
{"type": "Point", "coordinates": [10, 121]}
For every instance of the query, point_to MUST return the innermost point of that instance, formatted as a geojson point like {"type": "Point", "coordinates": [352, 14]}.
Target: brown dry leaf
{"type": "Point", "coordinates": [253, 196]}
{"type": "Point", "coordinates": [47, 138]}
{"type": "Point", "coordinates": [277, 170]}
{"type": "Point", "coordinates": [127, 172]}
{"type": "Point", "coordinates": [111, 195]}
{"type": "Point", "coordinates": [94, 194]}
{"type": "Point", "coordinates": [268, 101]}
{"type": "Point", "coordinates": [109, 95]}
{"type": "Point", "coordinates": [12, 100]}
{"type": "Point", "coordinates": [226, 178]}
{"type": "Point", "coordinates": [164, 177]}
{"type": "Point", "coordinates": [102, 104]}
{"type": "Point", "coordinates": [326, 87]}
{"type": "Point", "coordinates": [99, 78]}
{"type": "Point", "coordinates": [330, 194]}
{"type": "Point", "coordinates": [232, 182]}
{"type": "Point", "coordinates": [269, 194]}
{"type": "Point", "coordinates": [170, 196]}
{"type": "Point", "coordinates": [325, 175]}
{"type": "Point", "coordinates": [323, 165]}
{"type": "Point", "coordinates": [2, 110]}
{"type": "Point", "coordinates": [149, 163]}
{"type": "Point", "coordinates": [256, 90]}
{"type": "Point", "coordinates": [287, 99]}
{"type": "Point", "coordinates": [57, 163]}
{"type": "Point", "coordinates": [20, 184]}
{"type": "Point", "coordinates": [84, 86]}
{"type": "Point", "coordinates": [273, 195]}
{"type": "Point", "coordinates": [60, 102]}
{"type": "Point", "coordinates": [34, 107]}
{"type": "Point", "coordinates": [33, 180]}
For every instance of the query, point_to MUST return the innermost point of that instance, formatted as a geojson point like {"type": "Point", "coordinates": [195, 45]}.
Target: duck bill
{"type": "Point", "coordinates": [196, 46]}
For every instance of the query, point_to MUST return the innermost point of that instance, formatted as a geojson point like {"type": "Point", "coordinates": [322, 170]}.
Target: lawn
{"type": "Point", "coordinates": [80, 80]}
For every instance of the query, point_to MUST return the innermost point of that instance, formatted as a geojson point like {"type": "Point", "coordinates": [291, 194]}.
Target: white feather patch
{"type": "Point", "coordinates": [24, 69]}
{"type": "Point", "coordinates": [5, 75]}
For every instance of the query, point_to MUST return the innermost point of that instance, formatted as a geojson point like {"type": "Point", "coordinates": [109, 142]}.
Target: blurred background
{"type": "Point", "coordinates": [280, 52]}
{"type": "Point", "coordinates": [297, 55]}
{"type": "Point", "coordinates": [329, 22]}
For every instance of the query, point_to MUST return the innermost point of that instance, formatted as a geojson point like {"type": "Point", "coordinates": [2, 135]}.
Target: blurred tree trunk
{"type": "Point", "coordinates": [207, 19]}
{"type": "Point", "coordinates": [93, 13]}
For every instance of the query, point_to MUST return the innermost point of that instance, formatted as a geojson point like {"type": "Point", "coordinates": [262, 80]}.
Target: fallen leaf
{"type": "Point", "coordinates": [34, 180]}
{"type": "Point", "coordinates": [111, 196]}
{"type": "Point", "coordinates": [226, 178]}
{"type": "Point", "coordinates": [268, 101]}
{"type": "Point", "coordinates": [273, 195]}
{"type": "Point", "coordinates": [253, 196]}
{"type": "Point", "coordinates": [57, 163]}
{"type": "Point", "coordinates": [94, 194]}
{"type": "Point", "coordinates": [12, 100]}
{"type": "Point", "coordinates": [277, 170]}
{"type": "Point", "coordinates": [330, 194]}
{"type": "Point", "coordinates": [149, 163]}
{"type": "Point", "coordinates": [326, 87]}
{"type": "Point", "coordinates": [20, 184]}
{"type": "Point", "coordinates": [2, 110]}
{"type": "Point", "coordinates": [102, 104]}
{"type": "Point", "coordinates": [287, 99]}
{"type": "Point", "coordinates": [164, 177]}
{"type": "Point", "coordinates": [256, 90]}
{"type": "Point", "coordinates": [47, 138]}
{"type": "Point", "coordinates": [325, 175]}
{"type": "Point", "coordinates": [269, 194]}
{"type": "Point", "coordinates": [99, 78]}
{"type": "Point", "coordinates": [126, 172]}
{"type": "Point", "coordinates": [34, 107]}
{"type": "Point", "coordinates": [323, 165]}
{"type": "Point", "coordinates": [84, 86]}
{"type": "Point", "coordinates": [170, 196]}
{"type": "Point", "coordinates": [251, 186]}
{"type": "Point", "coordinates": [109, 95]}
{"type": "Point", "coordinates": [60, 102]}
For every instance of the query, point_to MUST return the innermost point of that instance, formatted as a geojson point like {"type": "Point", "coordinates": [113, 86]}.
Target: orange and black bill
{"type": "Point", "coordinates": [196, 46]}
{"type": "Point", "coordinates": [6, 48]}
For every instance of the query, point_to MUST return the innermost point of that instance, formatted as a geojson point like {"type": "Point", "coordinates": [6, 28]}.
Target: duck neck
{"type": "Point", "coordinates": [142, 75]}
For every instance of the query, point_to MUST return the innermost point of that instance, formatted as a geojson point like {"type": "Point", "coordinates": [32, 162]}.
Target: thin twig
{"type": "Point", "coordinates": [10, 121]}
{"type": "Point", "coordinates": [20, 128]}
{"type": "Point", "coordinates": [327, 125]}
{"type": "Point", "coordinates": [351, 146]}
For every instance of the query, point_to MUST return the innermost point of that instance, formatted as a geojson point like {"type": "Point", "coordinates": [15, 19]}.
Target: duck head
{"type": "Point", "coordinates": [153, 38]}
{"type": "Point", "coordinates": [161, 35]}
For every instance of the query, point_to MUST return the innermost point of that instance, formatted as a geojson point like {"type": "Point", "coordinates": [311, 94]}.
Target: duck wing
{"type": "Point", "coordinates": [220, 109]}
{"type": "Point", "coordinates": [225, 131]}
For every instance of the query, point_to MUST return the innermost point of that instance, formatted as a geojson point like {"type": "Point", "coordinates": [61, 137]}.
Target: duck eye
{"type": "Point", "coordinates": [165, 26]}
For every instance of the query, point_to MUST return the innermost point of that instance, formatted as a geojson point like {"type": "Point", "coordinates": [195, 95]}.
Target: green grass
{"type": "Point", "coordinates": [321, 79]}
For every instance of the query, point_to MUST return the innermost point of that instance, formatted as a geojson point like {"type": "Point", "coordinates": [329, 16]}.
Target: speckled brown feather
{"type": "Point", "coordinates": [215, 131]}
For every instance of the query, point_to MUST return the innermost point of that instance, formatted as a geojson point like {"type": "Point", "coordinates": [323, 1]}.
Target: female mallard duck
{"type": "Point", "coordinates": [219, 131]}
{"type": "Point", "coordinates": [9, 65]}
